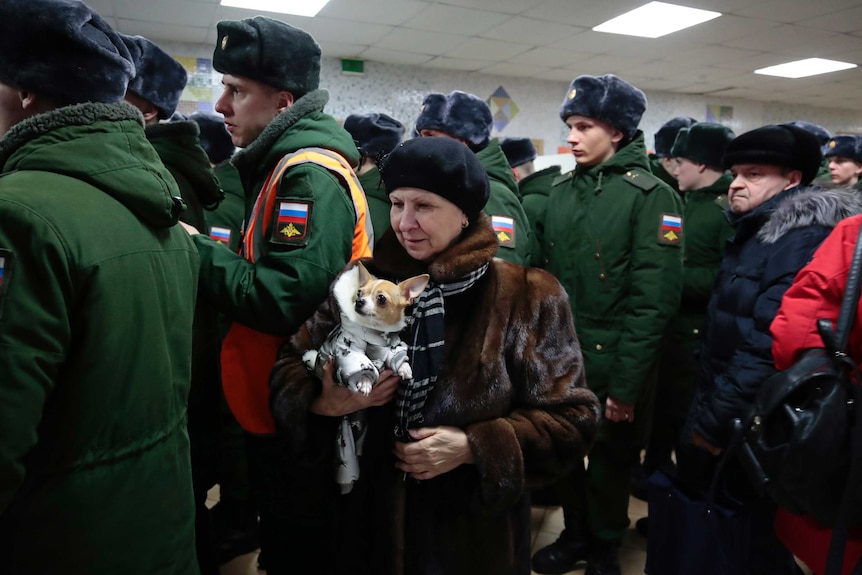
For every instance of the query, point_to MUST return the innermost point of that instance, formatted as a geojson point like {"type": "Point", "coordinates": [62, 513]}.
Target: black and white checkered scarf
{"type": "Point", "coordinates": [425, 348]}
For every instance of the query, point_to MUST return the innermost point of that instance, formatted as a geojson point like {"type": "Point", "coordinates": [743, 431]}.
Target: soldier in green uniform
{"type": "Point", "coordinates": [534, 186]}
{"type": "Point", "coordinates": [300, 234]}
{"type": "Point", "coordinates": [97, 291]}
{"type": "Point", "coordinates": [375, 135]}
{"type": "Point", "coordinates": [467, 118]}
{"type": "Point", "coordinates": [844, 156]}
{"type": "Point", "coordinates": [613, 237]}
{"type": "Point", "coordinates": [703, 183]}
{"type": "Point", "coordinates": [661, 161]}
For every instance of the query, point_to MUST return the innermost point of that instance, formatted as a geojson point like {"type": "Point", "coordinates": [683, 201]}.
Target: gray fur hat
{"type": "Point", "coordinates": [846, 146]}
{"type": "Point", "coordinates": [63, 50]}
{"type": "Point", "coordinates": [783, 145]}
{"type": "Point", "coordinates": [159, 79]}
{"type": "Point", "coordinates": [459, 114]}
{"type": "Point", "coordinates": [666, 135]}
{"type": "Point", "coordinates": [374, 133]}
{"type": "Point", "coordinates": [518, 151]}
{"type": "Point", "coordinates": [215, 139]}
{"type": "Point", "coordinates": [607, 99]}
{"type": "Point", "coordinates": [702, 143]}
{"type": "Point", "coordinates": [822, 134]}
{"type": "Point", "coordinates": [268, 51]}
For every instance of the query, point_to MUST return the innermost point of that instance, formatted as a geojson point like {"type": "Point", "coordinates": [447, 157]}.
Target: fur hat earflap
{"type": "Point", "coordinates": [846, 146]}
{"type": "Point", "coordinates": [663, 139]}
{"type": "Point", "coordinates": [783, 145]}
{"type": "Point", "coordinates": [62, 50]}
{"type": "Point", "coordinates": [459, 114]}
{"type": "Point", "coordinates": [518, 151]}
{"type": "Point", "coordinates": [215, 139]}
{"type": "Point", "coordinates": [607, 99]}
{"type": "Point", "coordinates": [268, 51]}
{"type": "Point", "coordinates": [374, 133]}
{"type": "Point", "coordinates": [159, 79]}
{"type": "Point", "coordinates": [702, 143]}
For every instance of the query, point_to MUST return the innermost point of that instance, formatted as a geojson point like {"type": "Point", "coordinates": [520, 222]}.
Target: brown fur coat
{"type": "Point", "coordinates": [512, 379]}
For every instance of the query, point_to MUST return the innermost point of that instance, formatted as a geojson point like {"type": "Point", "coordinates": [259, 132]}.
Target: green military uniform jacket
{"type": "Point", "coordinates": [504, 203]}
{"type": "Point", "coordinates": [658, 170]}
{"type": "Point", "coordinates": [96, 302]}
{"type": "Point", "coordinates": [290, 276]}
{"type": "Point", "coordinates": [226, 221]}
{"type": "Point", "coordinates": [610, 243]}
{"type": "Point", "coordinates": [378, 201]}
{"type": "Point", "coordinates": [535, 189]}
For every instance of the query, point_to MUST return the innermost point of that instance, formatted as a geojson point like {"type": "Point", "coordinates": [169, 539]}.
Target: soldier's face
{"type": "Point", "coordinates": [593, 142]}
{"type": "Point", "coordinates": [753, 184]}
{"type": "Point", "coordinates": [11, 108]}
{"type": "Point", "coordinates": [248, 106]}
{"type": "Point", "coordinates": [424, 223]}
{"type": "Point", "coordinates": [844, 171]}
{"type": "Point", "coordinates": [687, 174]}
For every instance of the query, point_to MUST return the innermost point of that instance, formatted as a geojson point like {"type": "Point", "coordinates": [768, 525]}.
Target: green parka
{"type": "Point", "coordinates": [236, 206]}
{"type": "Point", "coordinates": [378, 201]}
{"type": "Point", "coordinates": [289, 280]}
{"type": "Point", "coordinates": [607, 242]}
{"type": "Point", "coordinates": [96, 306]}
{"type": "Point", "coordinates": [505, 202]}
{"type": "Point", "coordinates": [535, 189]}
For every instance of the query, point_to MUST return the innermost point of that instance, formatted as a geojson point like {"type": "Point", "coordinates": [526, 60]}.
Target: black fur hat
{"type": "Point", "coordinates": [462, 115]}
{"type": "Point", "coordinates": [374, 133]}
{"type": "Point", "coordinates": [846, 146]}
{"type": "Point", "coordinates": [215, 139]}
{"type": "Point", "coordinates": [159, 79]}
{"type": "Point", "coordinates": [268, 51]}
{"type": "Point", "coordinates": [822, 134]}
{"type": "Point", "coordinates": [702, 143]}
{"type": "Point", "coordinates": [63, 50]}
{"type": "Point", "coordinates": [443, 166]}
{"type": "Point", "coordinates": [518, 151]}
{"type": "Point", "coordinates": [607, 99]}
{"type": "Point", "coordinates": [784, 145]}
{"type": "Point", "coordinates": [666, 135]}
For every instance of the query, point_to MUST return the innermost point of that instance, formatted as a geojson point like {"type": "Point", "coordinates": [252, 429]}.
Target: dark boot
{"type": "Point", "coordinates": [604, 558]}
{"type": "Point", "coordinates": [561, 556]}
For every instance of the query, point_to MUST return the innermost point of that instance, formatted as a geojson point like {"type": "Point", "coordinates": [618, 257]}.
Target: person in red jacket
{"type": "Point", "coordinates": [816, 293]}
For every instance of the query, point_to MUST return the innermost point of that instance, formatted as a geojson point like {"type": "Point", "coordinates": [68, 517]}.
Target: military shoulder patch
{"type": "Point", "coordinates": [504, 228]}
{"type": "Point", "coordinates": [670, 229]}
{"type": "Point", "coordinates": [641, 179]}
{"type": "Point", "coordinates": [221, 235]}
{"type": "Point", "coordinates": [563, 178]}
{"type": "Point", "coordinates": [292, 222]}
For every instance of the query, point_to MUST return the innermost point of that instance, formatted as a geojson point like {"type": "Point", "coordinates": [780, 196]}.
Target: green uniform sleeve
{"type": "Point", "coordinates": [503, 202]}
{"type": "Point", "coordinates": [287, 282]}
{"type": "Point", "coordinates": [656, 285]}
{"type": "Point", "coordinates": [699, 277]}
{"type": "Point", "coordinates": [36, 297]}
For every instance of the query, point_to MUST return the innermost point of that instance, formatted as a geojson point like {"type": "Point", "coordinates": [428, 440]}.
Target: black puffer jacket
{"type": "Point", "coordinates": [772, 243]}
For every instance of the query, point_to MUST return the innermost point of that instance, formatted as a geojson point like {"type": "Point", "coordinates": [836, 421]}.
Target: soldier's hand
{"type": "Point", "coordinates": [193, 231]}
{"type": "Point", "coordinates": [617, 410]}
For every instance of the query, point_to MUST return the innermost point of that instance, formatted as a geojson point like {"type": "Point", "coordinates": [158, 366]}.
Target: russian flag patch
{"type": "Point", "coordinates": [221, 235]}
{"type": "Point", "coordinates": [504, 228]}
{"type": "Point", "coordinates": [2, 269]}
{"type": "Point", "coordinates": [670, 229]}
{"type": "Point", "coordinates": [292, 222]}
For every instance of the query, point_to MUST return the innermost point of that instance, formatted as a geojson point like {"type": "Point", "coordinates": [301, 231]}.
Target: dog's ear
{"type": "Point", "coordinates": [410, 288]}
{"type": "Point", "coordinates": [364, 276]}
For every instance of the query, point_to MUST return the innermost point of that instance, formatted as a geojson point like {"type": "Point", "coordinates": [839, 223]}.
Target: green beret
{"type": "Point", "coordinates": [702, 143]}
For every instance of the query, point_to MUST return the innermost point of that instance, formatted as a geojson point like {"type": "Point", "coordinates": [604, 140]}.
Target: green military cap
{"type": "Point", "coordinates": [702, 143]}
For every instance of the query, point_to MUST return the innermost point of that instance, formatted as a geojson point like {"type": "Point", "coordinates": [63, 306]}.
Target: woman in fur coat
{"type": "Point", "coordinates": [497, 404]}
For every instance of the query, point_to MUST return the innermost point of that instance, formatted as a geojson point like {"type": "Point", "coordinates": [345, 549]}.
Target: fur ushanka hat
{"type": "Point", "coordinates": [518, 151]}
{"type": "Point", "coordinates": [703, 143]}
{"type": "Point", "coordinates": [783, 145]}
{"type": "Point", "coordinates": [607, 99]}
{"type": "Point", "coordinates": [845, 146]}
{"type": "Point", "coordinates": [459, 114]}
{"type": "Point", "coordinates": [268, 51]}
{"type": "Point", "coordinates": [663, 139]}
{"type": "Point", "coordinates": [63, 50]}
{"type": "Point", "coordinates": [215, 139]}
{"type": "Point", "coordinates": [374, 133]}
{"type": "Point", "coordinates": [159, 79]}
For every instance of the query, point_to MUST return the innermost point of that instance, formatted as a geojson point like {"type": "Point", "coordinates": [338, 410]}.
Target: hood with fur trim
{"type": "Point", "coordinates": [810, 206]}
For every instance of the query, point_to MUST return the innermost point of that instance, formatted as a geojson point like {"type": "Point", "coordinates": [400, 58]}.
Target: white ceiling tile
{"type": "Point", "coordinates": [549, 57]}
{"type": "Point", "coordinates": [583, 13]}
{"type": "Point", "coordinates": [512, 69]}
{"type": "Point", "coordinates": [394, 56]}
{"type": "Point", "coordinates": [562, 75]}
{"type": "Point", "coordinates": [164, 32]}
{"type": "Point", "coordinates": [531, 31]}
{"type": "Point", "coordinates": [505, 6]}
{"type": "Point", "coordinates": [341, 50]}
{"type": "Point", "coordinates": [724, 30]}
{"type": "Point", "coordinates": [843, 21]}
{"type": "Point", "coordinates": [327, 29]}
{"type": "Point", "coordinates": [801, 12]}
{"type": "Point", "coordinates": [373, 11]}
{"type": "Point", "coordinates": [482, 49]}
{"type": "Point", "coordinates": [434, 43]}
{"type": "Point", "coordinates": [186, 13]}
{"type": "Point", "coordinates": [457, 64]}
{"type": "Point", "coordinates": [455, 20]}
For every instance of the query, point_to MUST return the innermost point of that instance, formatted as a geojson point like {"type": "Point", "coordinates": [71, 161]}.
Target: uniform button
{"type": "Point", "coordinates": [602, 276]}
{"type": "Point", "coordinates": [551, 244]}
{"type": "Point", "coordinates": [695, 331]}
{"type": "Point", "coordinates": [598, 256]}
{"type": "Point", "coordinates": [598, 347]}
{"type": "Point", "coordinates": [547, 261]}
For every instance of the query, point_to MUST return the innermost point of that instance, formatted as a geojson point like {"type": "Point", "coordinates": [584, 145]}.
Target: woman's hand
{"type": "Point", "coordinates": [617, 410]}
{"type": "Point", "coordinates": [437, 450]}
{"type": "Point", "coordinates": [336, 400]}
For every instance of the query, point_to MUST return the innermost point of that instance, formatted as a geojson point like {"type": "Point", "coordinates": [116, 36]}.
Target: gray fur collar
{"type": "Point", "coordinates": [256, 152]}
{"type": "Point", "coordinates": [810, 206]}
{"type": "Point", "coordinates": [75, 115]}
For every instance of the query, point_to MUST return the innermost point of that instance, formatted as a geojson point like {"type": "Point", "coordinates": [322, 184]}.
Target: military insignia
{"type": "Point", "coordinates": [422, 109]}
{"type": "Point", "coordinates": [572, 94]}
{"type": "Point", "coordinates": [504, 229]}
{"type": "Point", "coordinates": [832, 143]}
{"type": "Point", "coordinates": [6, 261]}
{"type": "Point", "coordinates": [670, 230]}
{"type": "Point", "coordinates": [292, 223]}
{"type": "Point", "coordinates": [224, 42]}
{"type": "Point", "coordinates": [2, 270]}
{"type": "Point", "coordinates": [221, 235]}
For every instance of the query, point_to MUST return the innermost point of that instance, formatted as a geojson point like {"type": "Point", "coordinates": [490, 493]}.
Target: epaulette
{"type": "Point", "coordinates": [723, 201]}
{"type": "Point", "coordinates": [641, 179]}
{"type": "Point", "coordinates": [563, 178]}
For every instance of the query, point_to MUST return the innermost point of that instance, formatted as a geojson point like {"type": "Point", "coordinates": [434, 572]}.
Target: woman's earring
{"type": "Point", "coordinates": [465, 223]}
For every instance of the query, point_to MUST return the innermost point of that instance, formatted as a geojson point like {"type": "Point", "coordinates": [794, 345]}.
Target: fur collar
{"type": "Point", "coordinates": [810, 206]}
{"type": "Point", "coordinates": [256, 152]}
{"type": "Point", "coordinates": [75, 115]}
{"type": "Point", "coordinates": [477, 246]}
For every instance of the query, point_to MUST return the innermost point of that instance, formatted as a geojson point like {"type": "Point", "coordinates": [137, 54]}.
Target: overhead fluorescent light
{"type": "Point", "coordinates": [294, 7]}
{"type": "Point", "coordinates": [656, 19]}
{"type": "Point", "coordinates": [803, 68]}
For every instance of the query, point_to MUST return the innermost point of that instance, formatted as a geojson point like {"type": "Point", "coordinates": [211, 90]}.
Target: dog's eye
{"type": "Point", "coordinates": [381, 299]}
